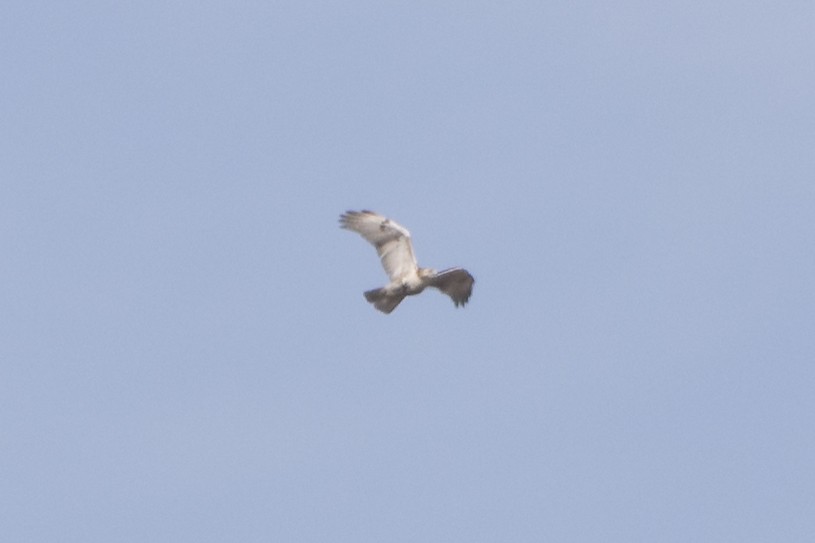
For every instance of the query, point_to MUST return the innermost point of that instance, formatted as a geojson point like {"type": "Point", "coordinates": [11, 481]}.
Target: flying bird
{"type": "Point", "coordinates": [392, 242]}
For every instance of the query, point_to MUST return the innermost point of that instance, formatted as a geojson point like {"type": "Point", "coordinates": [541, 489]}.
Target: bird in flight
{"type": "Point", "coordinates": [392, 242]}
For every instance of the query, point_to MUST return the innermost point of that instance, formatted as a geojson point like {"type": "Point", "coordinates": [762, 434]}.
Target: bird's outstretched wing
{"type": "Point", "coordinates": [456, 283]}
{"type": "Point", "coordinates": [392, 241]}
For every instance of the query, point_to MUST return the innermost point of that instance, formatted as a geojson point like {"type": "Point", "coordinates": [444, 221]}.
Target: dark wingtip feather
{"type": "Point", "coordinates": [350, 215]}
{"type": "Point", "coordinates": [346, 217]}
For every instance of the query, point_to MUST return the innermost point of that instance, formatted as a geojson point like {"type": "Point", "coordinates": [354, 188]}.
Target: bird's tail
{"type": "Point", "coordinates": [383, 300]}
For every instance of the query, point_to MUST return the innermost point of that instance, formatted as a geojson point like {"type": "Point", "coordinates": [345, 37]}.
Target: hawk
{"type": "Point", "coordinates": [392, 242]}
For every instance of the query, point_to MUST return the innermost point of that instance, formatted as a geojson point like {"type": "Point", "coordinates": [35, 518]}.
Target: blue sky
{"type": "Point", "coordinates": [185, 352]}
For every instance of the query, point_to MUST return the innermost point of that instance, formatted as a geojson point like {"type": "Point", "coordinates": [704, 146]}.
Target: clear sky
{"type": "Point", "coordinates": [185, 352]}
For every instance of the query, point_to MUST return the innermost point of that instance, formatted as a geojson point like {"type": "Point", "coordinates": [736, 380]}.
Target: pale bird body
{"type": "Point", "coordinates": [393, 244]}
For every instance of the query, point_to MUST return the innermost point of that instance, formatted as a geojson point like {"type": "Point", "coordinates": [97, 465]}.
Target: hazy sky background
{"type": "Point", "coordinates": [185, 352]}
